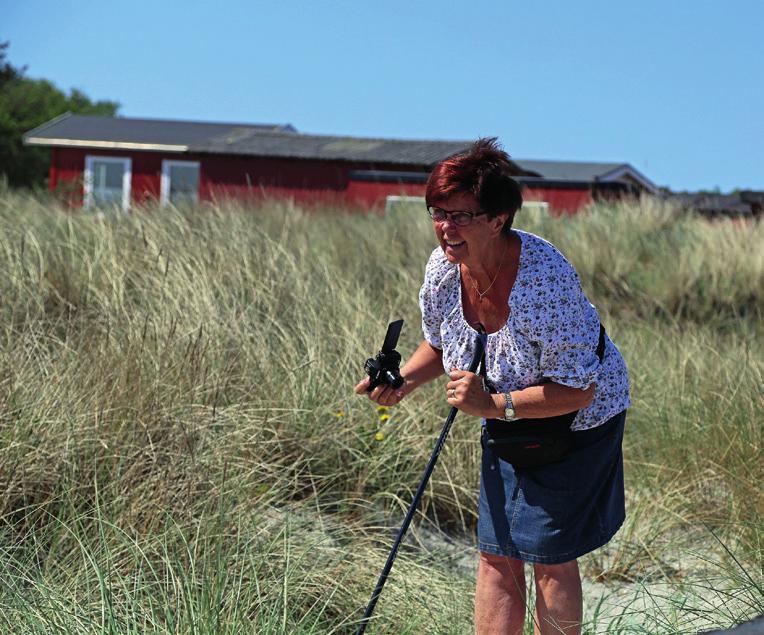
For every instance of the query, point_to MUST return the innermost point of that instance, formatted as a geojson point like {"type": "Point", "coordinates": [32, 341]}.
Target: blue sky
{"type": "Point", "coordinates": [674, 87]}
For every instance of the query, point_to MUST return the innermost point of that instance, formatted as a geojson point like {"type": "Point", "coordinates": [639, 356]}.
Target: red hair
{"type": "Point", "coordinates": [485, 172]}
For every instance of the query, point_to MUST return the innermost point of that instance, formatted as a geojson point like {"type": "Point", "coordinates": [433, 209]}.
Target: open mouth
{"type": "Point", "coordinates": [454, 243]}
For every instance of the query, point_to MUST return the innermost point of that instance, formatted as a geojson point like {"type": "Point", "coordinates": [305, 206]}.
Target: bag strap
{"type": "Point", "coordinates": [601, 344]}
{"type": "Point", "coordinates": [481, 366]}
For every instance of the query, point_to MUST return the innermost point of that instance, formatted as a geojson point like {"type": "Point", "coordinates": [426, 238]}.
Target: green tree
{"type": "Point", "coordinates": [25, 104]}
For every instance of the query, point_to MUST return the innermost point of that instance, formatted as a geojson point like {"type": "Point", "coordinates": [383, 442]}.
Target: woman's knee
{"type": "Point", "coordinates": [565, 571]}
{"type": "Point", "coordinates": [504, 566]}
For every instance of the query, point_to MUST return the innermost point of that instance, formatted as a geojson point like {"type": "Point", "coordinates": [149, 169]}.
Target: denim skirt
{"type": "Point", "coordinates": [560, 511]}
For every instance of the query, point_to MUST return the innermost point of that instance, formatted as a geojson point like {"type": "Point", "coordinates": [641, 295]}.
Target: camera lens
{"type": "Point", "coordinates": [393, 379]}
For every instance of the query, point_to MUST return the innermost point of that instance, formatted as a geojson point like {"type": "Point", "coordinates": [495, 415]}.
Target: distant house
{"type": "Point", "coordinates": [742, 204]}
{"type": "Point", "coordinates": [126, 161]}
{"type": "Point", "coordinates": [567, 186]}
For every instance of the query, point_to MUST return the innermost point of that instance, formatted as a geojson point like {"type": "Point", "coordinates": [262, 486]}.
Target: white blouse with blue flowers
{"type": "Point", "coordinates": [551, 333]}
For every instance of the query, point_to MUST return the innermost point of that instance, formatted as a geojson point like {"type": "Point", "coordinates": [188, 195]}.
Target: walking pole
{"type": "Point", "coordinates": [479, 347]}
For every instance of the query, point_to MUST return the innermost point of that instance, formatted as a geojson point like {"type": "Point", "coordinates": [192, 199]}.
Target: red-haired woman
{"type": "Point", "coordinates": [545, 356]}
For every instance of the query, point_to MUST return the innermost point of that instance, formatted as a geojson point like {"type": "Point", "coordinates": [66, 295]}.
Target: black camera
{"type": "Point", "coordinates": [385, 367]}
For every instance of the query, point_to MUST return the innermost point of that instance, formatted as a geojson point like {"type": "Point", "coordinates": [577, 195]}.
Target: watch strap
{"type": "Point", "coordinates": [509, 408]}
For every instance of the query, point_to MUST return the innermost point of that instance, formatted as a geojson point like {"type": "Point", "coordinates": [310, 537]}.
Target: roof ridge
{"type": "Point", "coordinates": [619, 163]}
{"type": "Point", "coordinates": [184, 121]}
{"type": "Point", "coordinates": [320, 135]}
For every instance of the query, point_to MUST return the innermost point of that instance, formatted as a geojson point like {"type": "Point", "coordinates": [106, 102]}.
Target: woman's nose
{"type": "Point", "coordinates": [447, 223]}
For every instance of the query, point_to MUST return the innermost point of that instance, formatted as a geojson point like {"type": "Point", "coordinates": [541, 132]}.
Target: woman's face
{"type": "Point", "coordinates": [466, 244]}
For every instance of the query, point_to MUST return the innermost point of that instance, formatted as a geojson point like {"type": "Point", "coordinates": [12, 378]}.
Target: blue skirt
{"type": "Point", "coordinates": [560, 511]}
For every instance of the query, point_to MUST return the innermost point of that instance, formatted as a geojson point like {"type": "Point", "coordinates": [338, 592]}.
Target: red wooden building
{"type": "Point", "coordinates": [106, 160]}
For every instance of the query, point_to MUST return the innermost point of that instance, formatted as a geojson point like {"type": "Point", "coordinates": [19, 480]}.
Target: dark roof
{"type": "Point", "coordinates": [243, 139]}
{"type": "Point", "coordinates": [750, 196]}
{"type": "Point", "coordinates": [586, 171]}
{"type": "Point", "coordinates": [569, 170]}
{"type": "Point", "coordinates": [85, 128]}
{"type": "Point", "coordinates": [282, 140]}
{"type": "Point", "coordinates": [327, 147]}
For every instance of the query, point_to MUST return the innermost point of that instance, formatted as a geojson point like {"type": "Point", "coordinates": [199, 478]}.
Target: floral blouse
{"type": "Point", "coordinates": [551, 334]}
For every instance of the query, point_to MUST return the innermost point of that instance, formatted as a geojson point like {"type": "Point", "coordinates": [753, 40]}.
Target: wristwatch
{"type": "Point", "coordinates": [509, 408]}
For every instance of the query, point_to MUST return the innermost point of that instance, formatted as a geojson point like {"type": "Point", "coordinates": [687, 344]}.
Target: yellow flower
{"type": "Point", "coordinates": [379, 436]}
{"type": "Point", "coordinates": [381, 408]}
{"type": "Point", "coordinates": [384, 417]}
{"type": "Point", "coordinates": [339, 414]}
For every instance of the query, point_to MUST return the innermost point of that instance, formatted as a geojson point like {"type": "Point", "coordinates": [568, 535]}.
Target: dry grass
{"type": "Point", "coordinates": [174, 459]}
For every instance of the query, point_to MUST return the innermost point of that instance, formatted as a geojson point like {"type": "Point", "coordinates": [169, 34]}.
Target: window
{"type": "Point", "coordinates": [107, 181]}
{"type": "Point", "coordinates": [180, 182]}
{"type": "Point", "coordinates": [394, 204]}
{"type": "Point", "coordinates": [535, 208]}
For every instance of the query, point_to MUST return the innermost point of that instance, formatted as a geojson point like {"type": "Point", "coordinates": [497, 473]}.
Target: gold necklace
{"type": "Point", "coordinates": [488, 288]}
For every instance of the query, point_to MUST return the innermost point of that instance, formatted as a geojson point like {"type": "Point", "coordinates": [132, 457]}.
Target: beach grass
{"type": "Point", "coordinates": [182, 451]}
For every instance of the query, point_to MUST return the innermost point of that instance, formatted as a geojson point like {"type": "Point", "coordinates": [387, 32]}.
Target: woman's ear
{"type": "Point", "coordinates": [497, 223]}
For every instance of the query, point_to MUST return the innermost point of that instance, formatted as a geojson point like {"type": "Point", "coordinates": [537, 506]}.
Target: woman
{"type": "Point", "coordinates": [542, 356]}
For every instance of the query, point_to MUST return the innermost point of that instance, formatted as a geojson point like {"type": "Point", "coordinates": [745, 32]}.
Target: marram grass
{"type": "Point", "coordinates": [182, 451]}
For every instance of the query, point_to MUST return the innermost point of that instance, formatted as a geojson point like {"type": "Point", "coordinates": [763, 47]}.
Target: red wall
{"type": "Point", "coordinates": [561, 201]}
{"type": "Point", "coordinates": [240, 177]}
{"type": "Point", "coordinates": [305, 181]}
{"type": "Point", "coordinates": [371, 194]}
{"type": "Point", "coordinates": [68, 166]}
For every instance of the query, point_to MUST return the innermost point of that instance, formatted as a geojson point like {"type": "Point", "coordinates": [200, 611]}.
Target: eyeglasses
{"type": "Point", "coordinates": [462, 219]}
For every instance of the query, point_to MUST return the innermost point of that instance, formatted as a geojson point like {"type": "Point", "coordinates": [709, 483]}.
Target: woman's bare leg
{"type": "Point", "coordinates": [499, 596]}
{"type": "Point", "coordinates": [559, 600]}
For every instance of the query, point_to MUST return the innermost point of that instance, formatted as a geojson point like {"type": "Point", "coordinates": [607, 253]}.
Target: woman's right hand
{"type": "Point", "coordinates": [383, 394]}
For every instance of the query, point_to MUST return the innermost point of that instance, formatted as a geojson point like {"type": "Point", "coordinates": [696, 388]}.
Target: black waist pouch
{"type": "Point", "coordinates": [531, 442]}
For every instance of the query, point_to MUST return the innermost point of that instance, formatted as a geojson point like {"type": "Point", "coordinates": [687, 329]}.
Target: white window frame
{"type": "Point", "coordinates": [394, 202]}
{"type": "Point", "coordinates": [536, 207]}
{"type": "Point", "coordinates": [167, 165]}
{"type": "Point", "coordinates": [127, 177]}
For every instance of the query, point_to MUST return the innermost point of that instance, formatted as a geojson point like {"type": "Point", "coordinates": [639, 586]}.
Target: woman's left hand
{"type": "Point", "coordinates": [465, 392]}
